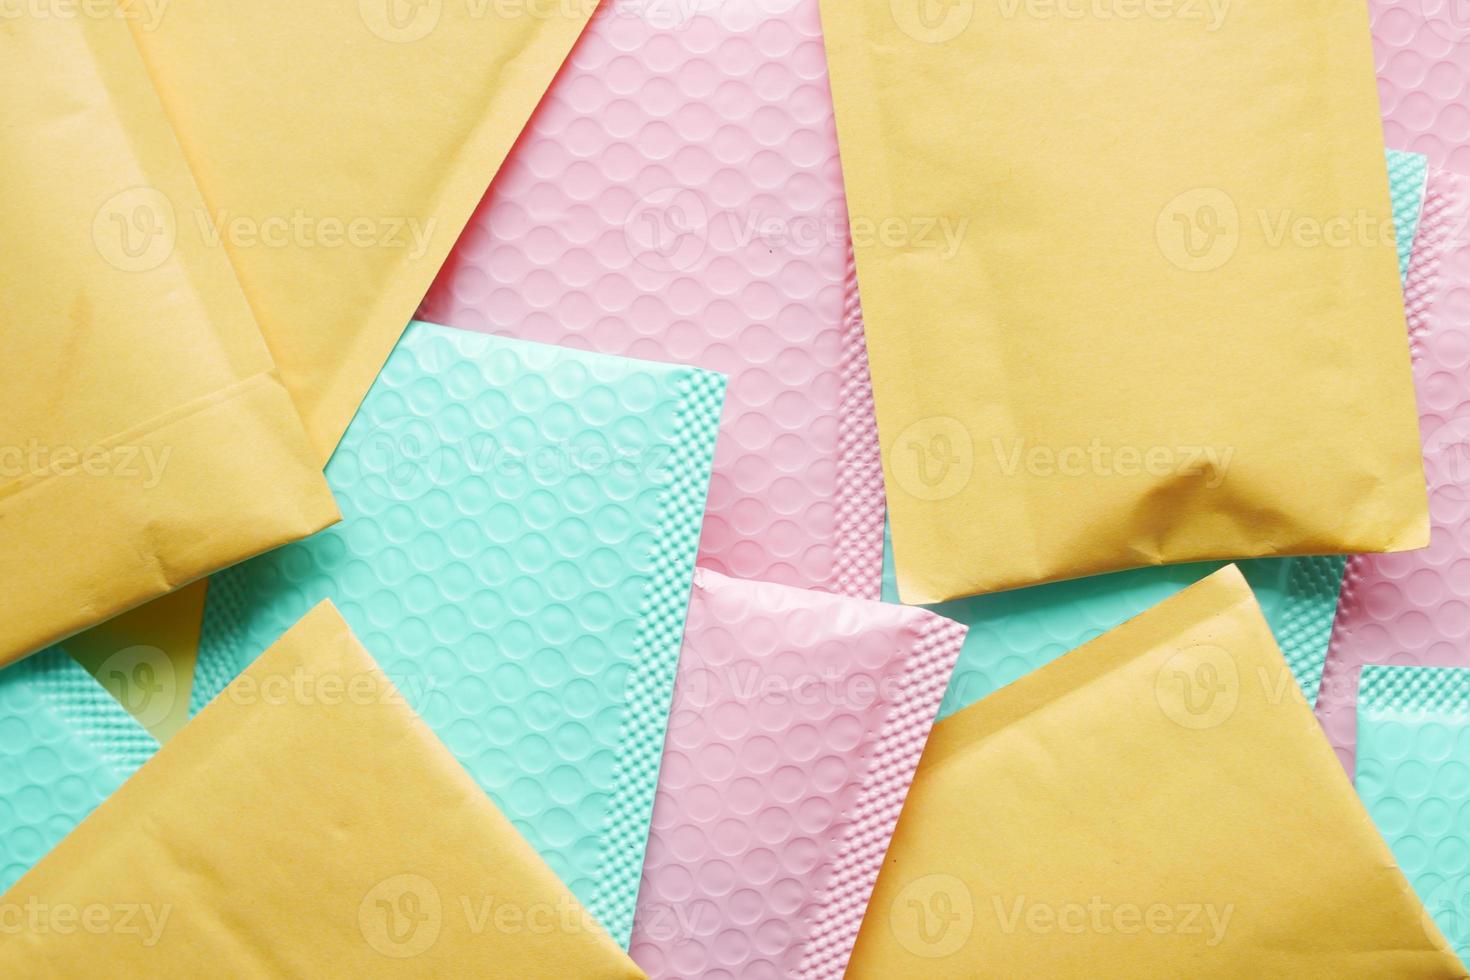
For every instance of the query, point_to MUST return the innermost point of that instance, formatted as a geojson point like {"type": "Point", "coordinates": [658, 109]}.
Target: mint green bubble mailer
{"type": "Point", "coordinates": [517, 547]}
{"type": "Point", "coordinates": [1414, 778]}
{"type": "Point", "coordinates": [65, 746]}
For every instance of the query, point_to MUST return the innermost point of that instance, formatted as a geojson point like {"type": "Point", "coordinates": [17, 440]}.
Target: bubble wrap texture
{"type": "Point", "coordinates": [516, 550]}
{"type": "Point", "coordinates": [1414, 608]}
{"type": "Point", "coordinates": [678, 197]}
{"type": "Point", "coordinates": [798, 721]}
{"type": "Point", "coordinates": [1015, 633]}
{"type": "Point", "coordinates": [1422, 49]}
{"type": "Point", "coordinates": [65, 746]}
{"type": "Point", "coordinates": [1413, 750]}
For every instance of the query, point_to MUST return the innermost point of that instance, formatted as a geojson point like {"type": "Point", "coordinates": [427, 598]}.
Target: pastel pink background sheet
{"type": "Point", "coordinates": [1423, 53]}
{"type": "Point", "coordinates": [678, 196]}
{"type": "Point", "coordinates": [798, 720]}
{"type": "Point", "coordinates": [1414, 608]}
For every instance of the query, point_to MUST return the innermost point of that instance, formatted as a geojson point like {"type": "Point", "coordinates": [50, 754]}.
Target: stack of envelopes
{"type": "Point", "coordinates": [761, 489]}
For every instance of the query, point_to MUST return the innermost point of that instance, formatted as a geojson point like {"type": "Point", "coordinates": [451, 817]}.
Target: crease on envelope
{"type": "Point", "coordinates": [1016, 632]}
{"type": "Point", "coordinates": [1194, 857]}
{"type": "Point", "coordinates": [371, 854]}
{"type": "Point", "coordinates": [146, 437]}
{"type": "Point", "coordinates": [1133, 355]}
{"type": "Point", "coordinates": [341, 113]}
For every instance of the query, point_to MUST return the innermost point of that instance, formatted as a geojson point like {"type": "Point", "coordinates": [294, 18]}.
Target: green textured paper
{"type": "Point", "coordinates": [1414, 778]}
{"type": "Point", "coordinates": [1014, 633]}
{"type": "Point", "coordinates": [65, 746]}
{"type": "Point", "coordinates": [517, 548]}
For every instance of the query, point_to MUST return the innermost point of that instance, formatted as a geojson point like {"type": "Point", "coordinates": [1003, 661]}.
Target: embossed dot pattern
{"type": "Point", "coordinates": [1414, 778]}
{"type": "Point", "coordinates": [1414, 608]}
{"type": "Point", "coordinates": [678, 196]}
{"type": "Point", "coordinates": [65, 746]}
{"type": "Point", "coordinates": [1422, 49]}
{"type": "Point", "coordinates": [798, 720]}
{"type": "Point", "coordinates": [516, 550]}
{"type": "Point", "coordinates": [1014, 633]}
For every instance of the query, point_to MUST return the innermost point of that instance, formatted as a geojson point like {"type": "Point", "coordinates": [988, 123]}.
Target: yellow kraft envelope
{"type": "Point", "coordinates": [341, 148]}
{"type": "Point", "coordinates": [306, 824]}
{"type": "Point", "coordinates": [1129, 282]}
{"type": "Point", "coordinates": [1159, 803]}
{"type": "Point", "coordinates": [146, 439]}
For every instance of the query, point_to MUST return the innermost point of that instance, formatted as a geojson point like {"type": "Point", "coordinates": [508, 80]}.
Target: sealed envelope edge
{"type": "Point", "coordinates": [227, 482]}
{"type": "Point", "coordinates": [328, 381]}
{"type": "Point", "coordinates": [286, 690]}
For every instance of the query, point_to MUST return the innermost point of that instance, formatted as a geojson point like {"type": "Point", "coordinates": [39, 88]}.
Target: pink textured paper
{"type": "Point", "coordinates": [678, 196]}
{"type": "Point", "coordinates": [1414, 608]}
{"type": "Point", "coordinates": [798, 720]}
{"type": "Point", "coordinates": [1423, 54]}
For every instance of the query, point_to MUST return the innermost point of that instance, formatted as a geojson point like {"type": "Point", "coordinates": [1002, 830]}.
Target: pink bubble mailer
{"type": "Point", "coordinates": [1413, 609]}
{"type": "Point", "coordinates": [798, 720]}
{"type": "Point", "coordinates": [677, 196]}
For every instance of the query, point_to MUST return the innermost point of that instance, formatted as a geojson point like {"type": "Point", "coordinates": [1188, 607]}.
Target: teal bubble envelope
{"type": "Point", "coordinates": [517, 547]}
{"type": "Point", "coordinates": [65, 746]}
{"type": "Point", "coordinates": [1014, 633]}
{"type": "Point", "coordinates": [1414, 779]}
